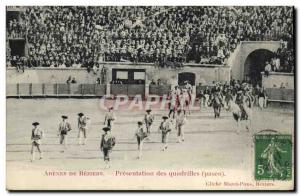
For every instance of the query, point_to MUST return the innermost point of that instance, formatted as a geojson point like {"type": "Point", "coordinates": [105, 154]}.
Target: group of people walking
{"type": "Point", "coordinates": [64, 128]}
{"type": "Point", "coordinates": [174, 120]}
{"type": "Point", "coordinates": [166, 125]}
{"type": "Point", "coordinates": [219, 95]}
{"type": "Point", "coordinates": [108, 141]}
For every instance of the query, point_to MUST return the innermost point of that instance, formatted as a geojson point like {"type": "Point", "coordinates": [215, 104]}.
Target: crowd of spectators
{"type": "Point", "coordinates": [282, 61]}
{"type": "Point", "coordinates": [74, 36]}
{"type": "Point", "coordinates": [16, 28]}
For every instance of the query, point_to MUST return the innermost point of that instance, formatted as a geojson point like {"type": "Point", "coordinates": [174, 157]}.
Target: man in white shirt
{"type": "Point", "coordinates": [109, 118]}
{"type": "Point", "coordinates": [63, 129]}
{"type": "Point", "coordinates": [268, 68]}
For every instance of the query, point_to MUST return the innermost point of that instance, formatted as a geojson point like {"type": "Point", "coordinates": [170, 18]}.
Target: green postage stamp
{"type": "Point", "coordinates": [273, 157]}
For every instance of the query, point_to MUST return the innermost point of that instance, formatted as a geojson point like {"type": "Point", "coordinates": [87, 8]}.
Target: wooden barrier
{"type": "Point", "coordinates": [98, 90]}
{"type": "Point", "coordinates": [136, 89]}
{"type": "Point", "coordinates": [128, 89]}
{"type": "Point", "coordinates": [88, 89]}
{"type": "Point", "coordinates": [118, 89]}
{"type": "Point", "coordinates": [63, 89]}
{"type": "Point", "coordinates": [55, 90]}
{"type": "Point", "coordinates": [159, 90]}
{"type": "Point", "coordinates": [50, 90]}
{"type": "Point", "coordinates": [75, 89]}
{"type": "Point", "coordinates": [12, 89]}
{"type": "Point", "coordinates": [37, 89]}
{"type": "Point", "coordinates": [280, 95]}
{"type": "Point", "coordinates": [24, 89]}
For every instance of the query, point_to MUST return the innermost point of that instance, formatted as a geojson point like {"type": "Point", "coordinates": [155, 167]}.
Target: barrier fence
{"type": "Point", "coordinates": [40, 90]}
{"type": "Point", "coordinates": [127, 89]}
{"type": "Point", "coordinates": [274, 94]}
{"type": "Point", "coordinates": [159, 90]}
{"type": "Point", "coordinates": [280, 95]}
{"type": "Point", "coordinates": [99, 90]}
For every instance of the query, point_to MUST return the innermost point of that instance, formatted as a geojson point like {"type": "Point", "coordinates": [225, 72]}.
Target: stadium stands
{"type": "Point", "coordinates": [72, 36]}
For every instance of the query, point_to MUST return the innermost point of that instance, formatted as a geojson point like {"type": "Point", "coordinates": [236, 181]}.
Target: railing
{"type": "Point", "coordinates": [109, 63]}
{"type": "Point", "coordinates": [99, 90]}
{"type": "Point", "coordinates": [274, 94]}
{"type": "Point", "coordinates": [159, 90]}
{"type": "Point", "coordinates": [128, 89]}
{"type": "Point", "coordinates": [280, 95]}
{"type": "Point", "coordinates": [54, 90]}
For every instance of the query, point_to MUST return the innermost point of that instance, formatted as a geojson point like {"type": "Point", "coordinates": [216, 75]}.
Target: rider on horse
{"type": "Point", "coordinates": [217, 102]}
{"type": "Point", "coordinates": [227, 92]}
{"type": "Point", "coordinates": [240, 102]}
{"type": "Point", "coordinates": [218, 97]}
{"type": "Point", "coordinates": [241, 99]}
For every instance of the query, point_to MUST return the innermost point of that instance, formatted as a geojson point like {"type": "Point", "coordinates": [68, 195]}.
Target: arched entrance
{"type": "Point", "coordinates": [186, 76]}
{"type": "Point", "coordinates": [255, 63]}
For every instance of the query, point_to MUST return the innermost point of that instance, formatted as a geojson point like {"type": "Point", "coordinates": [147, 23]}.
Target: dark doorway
{"type": "Point", "coordinates": [17, 47]}
{"type": "Point", "coordinates": [255, 64]}
{"type": "Point", "coordinates": [186, 76]}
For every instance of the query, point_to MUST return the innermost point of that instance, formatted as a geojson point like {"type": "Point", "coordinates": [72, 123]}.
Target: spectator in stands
{"type": "Point", "coordinates": [95, 68]}
{"type": "Point", "coordinates": [168, 36]}
{"type": "Point", "coordinates": [62, 65]}
{"type": "Point", "coordinates": [73, 81]}
{"type": "Point", "coordinates": [159, 82]}
{"type": "Point", "coordinates": [152, 82]}
{"type": "Point", "coordinates": [14, 61]}
{"type": "Point", "coordinates": [18, 63]}
{"type": "Point", "coordinates": [282, 85]}
{"type": "Point", "coordinates": [118, 81]}
{"type": "Point", "coordinates": [268, 69]}
{"type": "Point", "coordinates": [8, 61]}
{"type": "Point", "coordinates": [69, 79]}
{"type": "Point", "coordinates": [98, 81]}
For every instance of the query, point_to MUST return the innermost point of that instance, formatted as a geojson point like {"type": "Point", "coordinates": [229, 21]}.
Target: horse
{"type": "Point", "coordinates": [237, 114]}
{"type": "Point", "coordinates": [216, 102]}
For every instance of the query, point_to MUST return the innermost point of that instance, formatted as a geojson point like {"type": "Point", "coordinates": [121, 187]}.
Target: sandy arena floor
{"type": "Point", "coordinates": [209, 143]}
{"type": "Point", "coordinates": [208, 140]}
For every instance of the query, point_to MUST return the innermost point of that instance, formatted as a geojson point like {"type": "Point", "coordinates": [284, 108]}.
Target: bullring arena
{"type": "Point", "coordinates": [209, 143]}
{"type": "Point", "coordinates": [65, 86]}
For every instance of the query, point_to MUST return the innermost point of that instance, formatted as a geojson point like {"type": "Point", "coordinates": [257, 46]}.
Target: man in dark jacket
{"type": "Point", "coordinates": [106, 145]}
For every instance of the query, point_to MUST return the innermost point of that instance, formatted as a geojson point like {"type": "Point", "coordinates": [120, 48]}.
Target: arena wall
{"type": "Point", "coordinates": [205, 74]}
{"type": "Point", "coordinates": [276, 80]}
{"type": "Point", "coordinates": [239, 56]}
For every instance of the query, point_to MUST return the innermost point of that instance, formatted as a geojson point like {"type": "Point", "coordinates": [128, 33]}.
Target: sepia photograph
{"type": "Point", "coordinates": [150, 98]}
